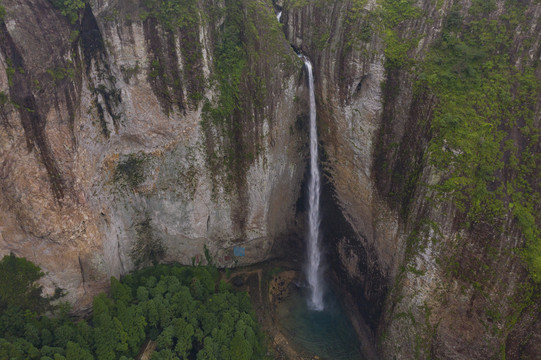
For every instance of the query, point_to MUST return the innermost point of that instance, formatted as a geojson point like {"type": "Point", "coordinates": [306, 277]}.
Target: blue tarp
{"type": "Point", "coordinates": [238, 251]}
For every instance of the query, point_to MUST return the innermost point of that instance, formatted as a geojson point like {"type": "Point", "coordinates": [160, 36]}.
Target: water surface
{"type": "Point", "coordinates": [327, 334]}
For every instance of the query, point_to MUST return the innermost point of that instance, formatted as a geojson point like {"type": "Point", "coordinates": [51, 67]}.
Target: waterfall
{"type": "Point", "coordinates": [313, 270]}
{"type": "Point", "coordinates": [279, 15]}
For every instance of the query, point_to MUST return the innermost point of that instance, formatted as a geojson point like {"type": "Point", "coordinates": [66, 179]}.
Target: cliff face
{"type": "Point", "coordinates": [113, 153]}
{"type": "Point", "coordinates": [433, 276]}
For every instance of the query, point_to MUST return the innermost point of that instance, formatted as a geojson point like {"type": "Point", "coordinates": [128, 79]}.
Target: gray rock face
{"type": "Point", "coordinates": [105, 154]}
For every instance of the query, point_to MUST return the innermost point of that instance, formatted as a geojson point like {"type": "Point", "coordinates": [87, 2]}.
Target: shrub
{"type": "Point", "coordinates": [69, 8]}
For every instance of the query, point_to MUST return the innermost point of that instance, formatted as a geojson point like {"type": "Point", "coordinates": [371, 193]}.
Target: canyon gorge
{"type": "Point", "coordinates": [138, 132]}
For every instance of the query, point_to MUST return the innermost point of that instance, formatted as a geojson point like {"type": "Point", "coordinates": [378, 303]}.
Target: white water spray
{"type": "Point", "coordinates": [313, 270]}
{"type": "Point", "coordinates": [279, 15]}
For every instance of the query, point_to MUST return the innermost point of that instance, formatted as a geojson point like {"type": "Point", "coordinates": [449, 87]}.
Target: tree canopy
{"type": "Point", "coordinates": [18, 287]}
{"type": "Point", "coordinates": [186, 311]}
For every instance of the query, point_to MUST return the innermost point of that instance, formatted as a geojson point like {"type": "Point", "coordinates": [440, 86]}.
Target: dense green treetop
{"type": "Point", "coordinates": [187, 311]}
{"type": "Point", "coordinates": [18, 285]}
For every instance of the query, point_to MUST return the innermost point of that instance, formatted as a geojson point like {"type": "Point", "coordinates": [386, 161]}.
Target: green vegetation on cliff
{"type": "Point", "coordinates": [69, 8]}
{"type": "Point", "coordinates": [393, 13]}
{"type": "Point", "coordinates": [2, 12]}
{"type": "Point", "coordinates": [186, 311]}
{"type": "Point", "coordinates": [130, 172]}
{"type": "Point", "coordinates": [248, 44]}
{"type": "Point", "coordinates": [483, 139]}
{"type": "Point", "coordinates": [168, 24]}
{"type": "Point", "coordinates": [231, 61]}
{"type": "Point", "coordinates": [173, 14]}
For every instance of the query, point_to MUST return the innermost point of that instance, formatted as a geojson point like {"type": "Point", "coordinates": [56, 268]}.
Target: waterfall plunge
{"type": "Point", "coordinates": [313, 270]}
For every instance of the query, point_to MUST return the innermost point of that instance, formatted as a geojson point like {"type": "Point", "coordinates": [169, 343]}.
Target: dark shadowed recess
{"type": "Point", "coordinates": [370, 290]}
{"type": "Point", "coordinates": [400, 150]}
{"type": "Point", "coordinates": [362, 297]}
{"type": "Point", "coordinates": [91, 39]}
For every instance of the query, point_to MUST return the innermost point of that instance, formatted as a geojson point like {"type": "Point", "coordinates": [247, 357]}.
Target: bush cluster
{"type": "Point", "coordinates": [69, 8]}
{"type": "Point", "coordinates": [483, 98]}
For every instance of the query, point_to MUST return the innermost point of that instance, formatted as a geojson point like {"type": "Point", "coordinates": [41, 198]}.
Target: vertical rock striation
{"type": "Point", "coordinates": [113, 154]}
{"type": "Point", "coordinates": [429, 282]}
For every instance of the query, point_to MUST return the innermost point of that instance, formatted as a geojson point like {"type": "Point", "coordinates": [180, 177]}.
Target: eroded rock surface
{"type": "Point", "coordinates": [109, 160]}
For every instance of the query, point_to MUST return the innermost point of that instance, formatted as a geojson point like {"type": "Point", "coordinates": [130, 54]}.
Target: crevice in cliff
{"type": "Point", "coordinates": [123, 269]}
{"type": "Point", "coordinates": [82, 270]}
{"type": "Point", "coordinates": [192, 55]}
{"type": "Point", "coordinates": [91, 40]}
